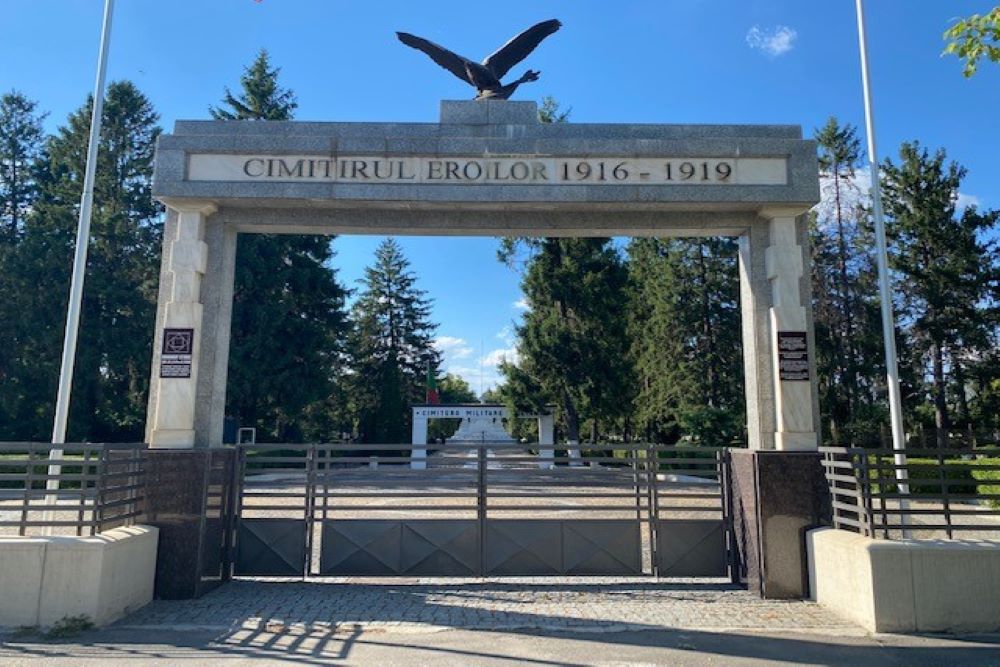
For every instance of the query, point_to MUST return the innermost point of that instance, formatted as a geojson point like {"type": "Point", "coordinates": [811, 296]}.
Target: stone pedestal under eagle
{"type": "Point", "coordinates": [486, 76]}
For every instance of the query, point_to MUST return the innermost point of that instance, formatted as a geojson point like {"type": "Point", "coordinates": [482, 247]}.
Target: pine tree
{"type": "Point", "coordinates": [684, 327]}
{"type": "Point", "coordinates": [572, 342]}
{"type": "Point", "coordinates": [391, 345]}
{"type": "Point", "coordinates": [289, 319]}
{"type": "Point", "coordinates": [21, 149]}
{"type": "Point", "coordinates": [844, 304]}
{"type": "Point", "coordinates": [112, 365]}
{"type": "Point", "coordinates": [947, 273]}
{"type": "Point", "coordinates": [21, 143]}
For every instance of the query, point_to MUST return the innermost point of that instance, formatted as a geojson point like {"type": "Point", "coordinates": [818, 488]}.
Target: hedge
{"type": "Point", "coordinates": [925, 478]}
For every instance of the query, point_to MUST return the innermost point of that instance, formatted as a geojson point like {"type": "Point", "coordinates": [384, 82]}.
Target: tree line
{"type": "Point", "coordinates": [630, 340]}
{"type": "Point", "coordinates": [642, 341]}
{"type": "Point", "coordinates": [304, 364]}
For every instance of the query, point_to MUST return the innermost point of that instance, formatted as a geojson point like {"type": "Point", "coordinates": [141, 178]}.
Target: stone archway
{"type": "Point", "coordinates": [487, 168]}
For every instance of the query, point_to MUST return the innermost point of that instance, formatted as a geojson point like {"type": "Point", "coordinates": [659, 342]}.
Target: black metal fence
{"type": "Point", "coordinates": [942, 493]}
{"type": "Point", "coordinates": [87, 489]}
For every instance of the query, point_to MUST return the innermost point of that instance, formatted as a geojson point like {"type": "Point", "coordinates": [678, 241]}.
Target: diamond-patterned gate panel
{"type": "Point", "coordinates": [425, 547]}
{"type": "Point", "coordinates": [691, 548]}
{"type": "Point", "coordinates": [271, 547]}
{"type": "Point", "coordinates": [552, 547]}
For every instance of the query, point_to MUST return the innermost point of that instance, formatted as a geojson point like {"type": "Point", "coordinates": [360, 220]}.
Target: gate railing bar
{"type": "Point", "coordinates": [725, 472]}
{"type": "Point", "coordinates": [482, 502]}
{"type": "Point", "coordinates": [652, 470]}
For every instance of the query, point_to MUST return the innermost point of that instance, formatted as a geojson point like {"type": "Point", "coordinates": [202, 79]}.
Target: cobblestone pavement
{"type": "Point", "coordinates": [415, 606]}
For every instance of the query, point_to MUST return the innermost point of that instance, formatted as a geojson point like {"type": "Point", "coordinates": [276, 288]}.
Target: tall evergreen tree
{"type": "Point", "coordinates": [21, 147]}
{"type": "Point", "coordinates": [684, 327]}
{"type": "Point", "coordinates": [391, 345]}
{"type": "Point", "coordinates": [844, 304]}
{"type": "Point", "coordinates": [572, 343]}
{"type": "Point", "coordinates": [289, 319]}
{"type": "Point", "coordinates": [21, 144]}
{"type": "Point", "coordinates": [947, 272]}
{"type": "Point", "coordinates": [112, 365]}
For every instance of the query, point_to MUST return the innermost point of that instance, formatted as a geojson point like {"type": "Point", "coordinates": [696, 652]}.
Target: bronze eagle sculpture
{"type": "Point", "coordinates": [486, 76]}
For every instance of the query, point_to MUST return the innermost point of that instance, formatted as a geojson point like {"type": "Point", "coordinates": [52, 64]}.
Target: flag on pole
{"type": "Point", "coordinates": [432, 391]}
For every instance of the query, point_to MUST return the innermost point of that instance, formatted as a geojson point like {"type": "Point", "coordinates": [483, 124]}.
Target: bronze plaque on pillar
{"type": "Point", "coordinates": [793, 356]}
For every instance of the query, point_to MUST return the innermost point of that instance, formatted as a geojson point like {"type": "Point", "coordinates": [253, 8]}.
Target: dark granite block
{"type": "Point", "coordinates": [189, 498]}
{"type": "Point", "coordinates": [776, 497]}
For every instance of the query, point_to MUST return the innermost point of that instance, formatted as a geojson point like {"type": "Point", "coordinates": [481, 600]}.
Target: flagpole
{"type": "Point", "coordinates": [884, 288]}
{"type": "Point", "coordinates": [79, 262]}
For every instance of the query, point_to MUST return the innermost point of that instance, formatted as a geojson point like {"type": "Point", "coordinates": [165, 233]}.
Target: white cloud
{"type": "Point", "coordinates": [507, 335]}
{"type": "Point", "coordinates": [452, 348]}
{"type": "Point", "coordinates": [493, 358]}
{"type": "Point", "coordinates": [854, 192]}
{"type": "Point", "coordinates": [775, 41]}
{"type": "Point", "coordinates": [965, 200]}
{"type": "Point", "coordinates": [521, 304]}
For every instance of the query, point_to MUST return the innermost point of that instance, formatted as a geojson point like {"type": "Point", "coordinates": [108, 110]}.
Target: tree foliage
{"type": "Point", "coordinates": [684, 325]}
{"type": "Point", "coordinates": [572, 341]}
{"type": "Point", "coordinates": [289, 313]}
{"type": "Point", "coordinates": [973, 38]}
{"type": "Point", "coordinates": [948, 275]}
{"type": "Point", "coordinates": [112, 365]}
{"type": "Point", "coordinates": [21, 144]}
{"type": "Point", "coordinates": [391, 345]}
{"type": "Point", "coordinates": [845, 309]}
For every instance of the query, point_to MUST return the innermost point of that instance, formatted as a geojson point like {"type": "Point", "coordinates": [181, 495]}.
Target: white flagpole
{"type": "Point", "coordinates": [79, 262]}
{"type": "Point", "coordinates": [884, 288]}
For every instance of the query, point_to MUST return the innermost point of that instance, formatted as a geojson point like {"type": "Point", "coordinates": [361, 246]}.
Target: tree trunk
{"type": "Point", "coordinates": [964, 417]}
{"type": "Point", "coordinates": [941, 420]}
{"type": "Point", "coordinates": [572, 417]}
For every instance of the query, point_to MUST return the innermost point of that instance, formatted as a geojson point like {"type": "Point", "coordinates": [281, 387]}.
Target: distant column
{"type": "Point", "coordinates": [418, 456]}
{"type": "Point", "coordinates": [177, 342]}
{"type": "Point", "coordinates": [546, 436]}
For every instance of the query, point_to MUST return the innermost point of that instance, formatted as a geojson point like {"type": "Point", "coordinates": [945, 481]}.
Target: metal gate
{"type": "Point", "coordinates": [481, 510]}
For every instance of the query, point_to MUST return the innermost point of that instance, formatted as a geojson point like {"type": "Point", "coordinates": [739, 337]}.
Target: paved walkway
{"type": "Point", "coordinates": [591, 605]}
{"type": "Point", "coordinates": [613, 622]}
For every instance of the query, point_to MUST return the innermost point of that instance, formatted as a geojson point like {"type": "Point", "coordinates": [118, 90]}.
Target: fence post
{"type": "Point", "coordinates": [945, 487]}
{"type": "Point", "coordinates": [653, 499]}
{"type": "Point", "coordinates": [97, 516]}
{"type": "Point", "coordinates": [481, 499]}
{"type": "Point", "coordinates": [866, 494]}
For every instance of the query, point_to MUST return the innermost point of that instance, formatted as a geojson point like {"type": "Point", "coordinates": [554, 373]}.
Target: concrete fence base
{"type": "Point", "coordinates": [103, 577]}
{"type": "Point", "coordinates": [907, 585]}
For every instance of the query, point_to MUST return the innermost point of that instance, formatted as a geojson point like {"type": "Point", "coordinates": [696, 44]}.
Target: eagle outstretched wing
{"type": "Point", "coordinates": [451, 61]}
{"type": "Point", "coordinates": [517, 49]}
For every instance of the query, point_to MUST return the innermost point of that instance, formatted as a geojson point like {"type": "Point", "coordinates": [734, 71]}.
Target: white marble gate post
{"type": "Point", "coordinates": [792, 356]}
{"type": "Point", "coordinates": [177, 341]}
{"type": "Point", "coordinates": [778, 341]}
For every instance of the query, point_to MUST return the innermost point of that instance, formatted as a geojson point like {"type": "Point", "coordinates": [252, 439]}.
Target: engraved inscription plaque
{"type": "Point", "coordinates": [793, 356]}
{"type": "Point", "coordinates": [175, 358]}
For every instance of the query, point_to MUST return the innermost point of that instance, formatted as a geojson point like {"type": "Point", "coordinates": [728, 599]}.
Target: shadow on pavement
{"type": "Point", "coordinates": [518, 637]}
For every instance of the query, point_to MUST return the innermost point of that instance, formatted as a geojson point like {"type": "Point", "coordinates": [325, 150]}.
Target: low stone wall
{"type": "Point", "coordinates": [906, 585]}
{"type": "Point", "coordinates": [103, 577]}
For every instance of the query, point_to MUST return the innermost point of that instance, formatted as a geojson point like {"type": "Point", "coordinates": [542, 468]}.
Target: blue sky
{"type": "Point", "coordinates": [657, 61]}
